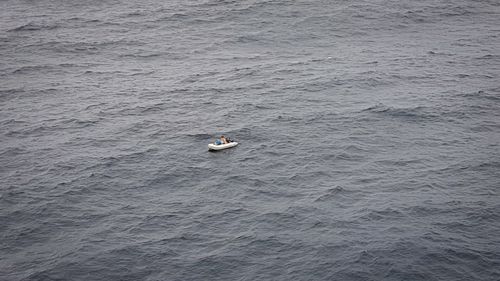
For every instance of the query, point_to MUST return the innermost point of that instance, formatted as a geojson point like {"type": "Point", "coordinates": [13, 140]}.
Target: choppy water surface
{"type": "Point", "coordinates": [369, 140]}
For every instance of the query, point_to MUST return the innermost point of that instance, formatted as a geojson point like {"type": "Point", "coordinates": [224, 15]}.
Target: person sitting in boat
{"type": "Point", "coordinates": [221, 140]}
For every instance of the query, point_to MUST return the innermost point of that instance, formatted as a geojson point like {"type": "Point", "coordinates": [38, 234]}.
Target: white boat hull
{"type": "Point", "coordinates": [212, 146]}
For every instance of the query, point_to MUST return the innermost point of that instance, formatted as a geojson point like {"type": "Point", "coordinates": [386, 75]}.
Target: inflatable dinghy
{"type": "Point", "coordinates": [212, 146]}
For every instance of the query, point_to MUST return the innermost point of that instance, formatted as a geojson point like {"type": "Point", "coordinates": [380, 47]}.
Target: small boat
{"type": "Point", "coordinates": [212, 146]}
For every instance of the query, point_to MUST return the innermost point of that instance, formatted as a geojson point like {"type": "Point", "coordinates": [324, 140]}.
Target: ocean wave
{"type": "Point", "coordinates": [336, 193]}
{"type": "Point", "coordinates": [142, 55]}
{"type": "Point", "coordinates": [10, 152]}
{"type": "Point", "coordinates": [32, 131]}
{"type": "Point", "coordinates": [102, 72]}
{"type": "Point", "coordinates": [408, 113]}
{"type": "Point", "coordinates": [200, 136]}
{"type": "Point", "coordinates": [31, 26]}
{"type": "Point", "coordinates": [75, 123]}
{"type": "Point", "coordinates": [137, 13]}
{"type": "Point", "coordinates": [491, 94]}
{"type": "Point", "coordinates": [34, 68]}
{"type": "Point", "coordinates": [489, 57]}
{"type": "Point", "coordinates": [441, 53]}
{"type": "Point", "coordinates": [124, 110]}
{"type": "Point", "coordinates": [12, 122]}
{"type": "Point", "coordinates": [383, 215]}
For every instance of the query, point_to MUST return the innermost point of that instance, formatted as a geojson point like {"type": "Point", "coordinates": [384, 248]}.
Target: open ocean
{"type": "Point", "coordinates": [369, 139]}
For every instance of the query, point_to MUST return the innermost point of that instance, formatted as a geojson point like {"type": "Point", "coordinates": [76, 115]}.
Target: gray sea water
{"type": "Point", "coordinates": [369, 140]}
